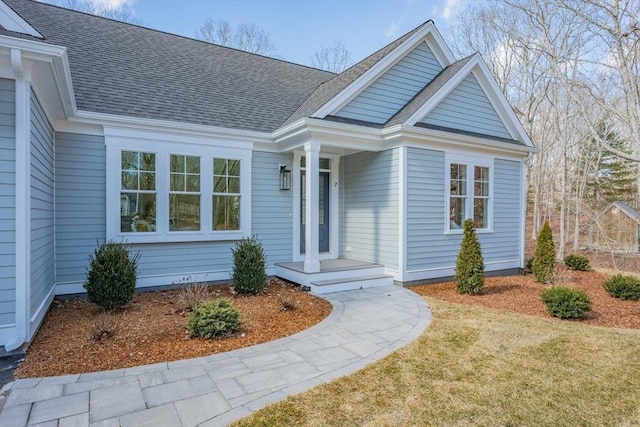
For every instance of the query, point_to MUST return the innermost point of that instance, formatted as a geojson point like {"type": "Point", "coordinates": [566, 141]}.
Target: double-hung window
{"type": "Point", "coordinates": [177, 191]}
{"type": "Point", "coordinates": [468, 189]}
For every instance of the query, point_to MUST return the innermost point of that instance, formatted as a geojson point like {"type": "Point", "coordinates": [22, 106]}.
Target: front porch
{"type": "Point", "coordinates": [335, 275]}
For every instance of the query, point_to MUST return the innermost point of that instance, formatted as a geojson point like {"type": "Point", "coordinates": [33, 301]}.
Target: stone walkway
{"type": "Point", "coordinates": [365, 326]}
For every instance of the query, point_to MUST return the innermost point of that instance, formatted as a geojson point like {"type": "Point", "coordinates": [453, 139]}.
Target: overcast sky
{"type": "Point", "coordinates": [298, 28]}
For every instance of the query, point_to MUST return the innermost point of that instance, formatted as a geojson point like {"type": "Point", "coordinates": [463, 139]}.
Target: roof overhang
{"type": "Point", "coordinates": [10, 20]}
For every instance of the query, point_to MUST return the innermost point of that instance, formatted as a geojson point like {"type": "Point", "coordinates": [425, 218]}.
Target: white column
{"type": "Point", "coordinates": [312, 208]}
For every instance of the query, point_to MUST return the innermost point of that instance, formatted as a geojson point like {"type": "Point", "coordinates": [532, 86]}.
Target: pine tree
{"type": "Point", "coordinates": [544, 261]}
{"type": "Point", "coordinates": [469, 265]}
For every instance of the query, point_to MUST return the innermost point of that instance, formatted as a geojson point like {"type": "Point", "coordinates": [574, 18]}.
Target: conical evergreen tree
{"type": "Point", "coordinates": [544, 261]}
{"type": "Point", "coordinates": [469, 265]}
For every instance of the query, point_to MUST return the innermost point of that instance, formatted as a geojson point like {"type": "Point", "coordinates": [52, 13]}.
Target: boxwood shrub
{"type": "Point", "coordinates": [566, 303]}
{"type": "Point", "coordinates": [623, 286]}
{"type": "Point", "coordinates": [577, 262]}
{"type": "Point", "coordinates": [214, 319]}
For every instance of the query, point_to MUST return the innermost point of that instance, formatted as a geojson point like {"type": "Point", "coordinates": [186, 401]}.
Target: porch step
{"type": "Point", "coordinates": [349, 284]}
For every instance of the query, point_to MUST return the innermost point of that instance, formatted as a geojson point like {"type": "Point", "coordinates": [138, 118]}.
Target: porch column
{"type": "Point", "coordinates": [312, 208]}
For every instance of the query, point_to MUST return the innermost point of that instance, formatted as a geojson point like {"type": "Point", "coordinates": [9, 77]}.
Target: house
{"type": "Point", "coordinates": [619, 229]}
{"type": "Point", "coordinates": [110, 131]}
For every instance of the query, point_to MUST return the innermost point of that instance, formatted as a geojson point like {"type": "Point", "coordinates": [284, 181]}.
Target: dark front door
{"type": "Point", "coordinates": [323, 242]}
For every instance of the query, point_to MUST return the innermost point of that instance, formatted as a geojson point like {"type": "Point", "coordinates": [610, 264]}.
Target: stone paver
{"type": "Point", "coordinates": [364, 326]}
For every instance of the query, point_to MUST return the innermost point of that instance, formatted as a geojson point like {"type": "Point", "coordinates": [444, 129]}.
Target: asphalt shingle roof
{"type": "Point", "coordinates": [123, 69]}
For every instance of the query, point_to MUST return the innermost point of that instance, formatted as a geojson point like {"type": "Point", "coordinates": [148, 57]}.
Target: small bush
{"type": "Point", "coordinates": [566, 303]}
{"type": "Point", "coordinates": [104, 326]}
{"type": "Point", "coordinates": [111, 275]}
{"type": "Point", "coordinates": [469, 265]}
{"type": "Point", "coordinates": [217, 318]}
{"type": "Point", "coordinates": [577, 262]}
{"type": "Point", "coordinates": [288, 304]}
{"type": "Point", "coordinates": [249, 273]}
{"type": "Point", "coordinates": [193, 295]}
{"type": "Point", "coordinates": [529, 265]}
{"type": "Point", "coordinates": [623, 287]}
{"type": "Point", "coordinates": [544, 260]}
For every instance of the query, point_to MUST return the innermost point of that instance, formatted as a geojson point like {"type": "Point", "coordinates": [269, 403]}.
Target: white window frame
{"type": "Point", "coordinates": [470, 161]}
{"type": "Point", "coordinates": [163, 145]}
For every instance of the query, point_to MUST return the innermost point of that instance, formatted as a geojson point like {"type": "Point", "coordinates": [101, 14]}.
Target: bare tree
{"type": "Point", "coordinates": [117, 11]}
{"type": "Point", "coordinates": [247, 37]}
{"type": "Point", "coordinates": [335, 58]}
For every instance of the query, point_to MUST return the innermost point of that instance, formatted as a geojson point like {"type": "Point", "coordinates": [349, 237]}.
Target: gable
{"type": "Point", "coordinates": [467, 108]}
{"type": "Point", "coordinates": [391, 91]}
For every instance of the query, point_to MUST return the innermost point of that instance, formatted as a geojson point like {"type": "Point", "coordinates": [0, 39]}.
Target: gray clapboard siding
{"type": "Point", "coordinates": [427, 245]}
{"type": "Point", "coordinates": [80, 202]}
{"type": "Point", "coordinates": [369, 207]}
{"type": "Point", "coordinates": [271, 218]}
{"type": "Point", "coordinates": [42, 207]}
{"type": "Point", "coordinates": [467, 108]}
{"type": "Point", "coordinates": [7, 202]}
{"type": "Point", "coordinates": [389, 93]}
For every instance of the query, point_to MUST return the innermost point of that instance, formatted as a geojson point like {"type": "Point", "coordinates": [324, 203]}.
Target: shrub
{"type": "Point", "coordinates": [193, 295]}
{"type": "Point", "coordinates": [566, 303]}
{"type": "Point", "coordinates": [544, 261]}
{"type": "Point", "coordinates": [249, 274]}
{"type": "Point", "coordinates": [623, 287]}
{"type": "Point", "coordinates": [111, 275]}
{"type": "Point", "coordinates": [469, 265]}
{"type": "Point", "coordinates": [104, 326]}
{"type": "Point", "coordinates": [529, 265]}
{"type": "Point", "coordinates": [214, 319]}
{"type": "Point", "coordinates": [577, 262]}
{"type": "Point", "coordinates": [288, 304]}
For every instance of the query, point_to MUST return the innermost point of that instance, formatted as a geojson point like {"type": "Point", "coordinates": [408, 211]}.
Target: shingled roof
{"type": "Point", "coordinates": [124, 69]}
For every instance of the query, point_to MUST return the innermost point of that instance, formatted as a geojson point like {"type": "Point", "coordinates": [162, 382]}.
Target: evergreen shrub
{"type": "Point", "coordinates": [469, 265]}
{"type": "Point", "coordinates": [213, 319]}
{"type": "Point", "coordinates": [623, 286]}
{"type": "Point", "coordinates": [111, 275]}
{"type": "Point", "coordinates": [577, 262]}
{"type": "Point", "coordinates": [249, 271]}
{"type": "Point", "coordinates": [544, 261]}
{"type": "Point", "coordinates": [566, 303]}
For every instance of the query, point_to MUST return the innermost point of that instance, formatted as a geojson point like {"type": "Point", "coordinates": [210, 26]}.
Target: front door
{"type": "Point", "coordinates": [323, 242]}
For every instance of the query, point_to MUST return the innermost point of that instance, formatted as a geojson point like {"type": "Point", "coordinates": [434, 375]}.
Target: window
{"type": "Point", "coordinates": [177, 188]}
{"type": "Point", "coordinates": [137, 192]}
{"type": "Point", "coordinates": [184, 193]}
{"type": "Point", "coordinates": [468, 195]}
{"type": "Point", "coordinates": [226, 194]}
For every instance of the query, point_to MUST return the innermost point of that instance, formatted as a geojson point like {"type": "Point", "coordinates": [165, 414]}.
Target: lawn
{"type": "Point", "coordinates": [481, 366]}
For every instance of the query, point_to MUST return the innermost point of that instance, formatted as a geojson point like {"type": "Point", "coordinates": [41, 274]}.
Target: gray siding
{"type": "Point", "coordinates": [271, 209]}
{"type": "Point", "coordinates": [7, 202]}
{"type": "Point", "coordinates": [80, 202]}
{"type": "Point", "coordinates": [427, 245]}
{"type": "Point", "coordinates": [387, 95]}
{"type": "Point", "coordinates": [467, 108]}
{"type": "Point", "coordinates": [369, 207]}
{"type": "Point", "coordinates": [42, 211]}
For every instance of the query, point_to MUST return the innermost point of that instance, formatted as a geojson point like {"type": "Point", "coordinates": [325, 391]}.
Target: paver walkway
{"type": "Point", "coordinates": [364, 326]}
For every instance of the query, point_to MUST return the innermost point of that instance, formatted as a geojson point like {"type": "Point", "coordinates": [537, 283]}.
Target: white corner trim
{"type": "Point", "coordinates": [402, 213]}
{"type": "Point", "coordinates": [428, 34]}
{"type": "Point", "coordinates": [10, 20]}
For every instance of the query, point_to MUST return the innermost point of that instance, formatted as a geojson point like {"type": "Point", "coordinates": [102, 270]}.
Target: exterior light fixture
{"type": "Point", "coordinates": [285, 178]}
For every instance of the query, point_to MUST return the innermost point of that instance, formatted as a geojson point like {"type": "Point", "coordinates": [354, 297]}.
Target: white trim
{"type": "Point", "coordinates": [41, 311]}
{"type": "Point", "coordinates": [10, 20]}
{"type": "Point", "coordinates": [523, 210]}
{"type": "Point", "coordinates": [22, 198]}
{"type": "Point", "coordinates": [295, 187]}
{"type": "Point", "coordinates": [402, 212]}
{"type": "Point", "coordinates": [470, 160]}
{"type": "Point", "coordinates": [428, 34]}
{"type": "Point", "coordinates": [334, 205]}
{"type": "Point", "coordinates": [312, 211]}
{"type": "Point", "coordinates": [163, 145]}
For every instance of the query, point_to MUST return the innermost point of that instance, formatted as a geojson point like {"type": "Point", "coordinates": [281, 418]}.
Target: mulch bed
{"type": "Point", "coordinates": [152, 329]}
{"type": "Point", "coordinates": [521, 294]}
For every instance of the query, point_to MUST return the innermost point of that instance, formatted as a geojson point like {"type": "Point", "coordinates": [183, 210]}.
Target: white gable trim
{"type": "Point", "coordinates": [14, 22]}
{"type": "Point", "coordinates": [477, 67]}
{"type": "Point", "coordinates": [428, 34]}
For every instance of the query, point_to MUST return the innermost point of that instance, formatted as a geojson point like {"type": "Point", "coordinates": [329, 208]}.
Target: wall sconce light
{"type": "Point", "coordinates": [285, 178]}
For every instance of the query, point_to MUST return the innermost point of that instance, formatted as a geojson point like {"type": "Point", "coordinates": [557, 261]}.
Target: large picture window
{"type": "Point", "coordinates": [172, 188]}
{"type": "Point", "coordinates": [468, 195]}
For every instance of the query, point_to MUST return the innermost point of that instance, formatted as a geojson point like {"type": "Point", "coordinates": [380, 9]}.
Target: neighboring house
{"type": "Point", "coordinates": [619, 229]}
{"type": "Point", "coordinates": [110, 131]}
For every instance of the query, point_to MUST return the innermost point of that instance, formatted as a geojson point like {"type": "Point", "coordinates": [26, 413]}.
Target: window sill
{"type": "Point", "coordinates": [461, 231]}
{"type": "Point", "coordinates": [179, 236]}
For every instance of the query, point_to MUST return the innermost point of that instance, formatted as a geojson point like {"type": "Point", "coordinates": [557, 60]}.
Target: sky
{"type": "Point", "coordinates": [298, 28]}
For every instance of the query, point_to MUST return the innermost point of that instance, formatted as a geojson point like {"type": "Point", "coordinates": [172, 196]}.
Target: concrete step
{"type": "Point", "coordinates": [349, 284]}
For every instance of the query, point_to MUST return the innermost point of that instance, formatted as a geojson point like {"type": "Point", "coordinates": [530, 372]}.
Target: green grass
{"type": "Point", "coordinates": [476, 366]}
